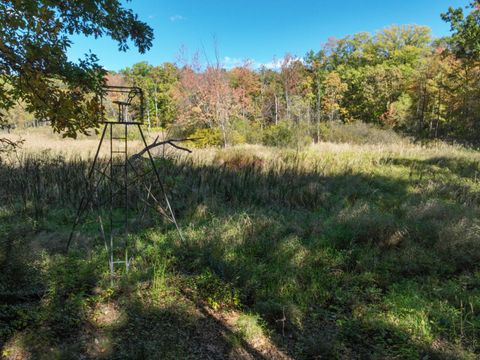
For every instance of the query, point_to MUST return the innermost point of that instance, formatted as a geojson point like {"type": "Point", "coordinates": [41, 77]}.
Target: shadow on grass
{"type": "Point", "coordinates": [314, 255]}
{"type": "Point", "coordinates": [60, 320]}
{"type": "Point", "coordinates": [177, 331]}
{"type": "Point", "coordinates": [461, 167]}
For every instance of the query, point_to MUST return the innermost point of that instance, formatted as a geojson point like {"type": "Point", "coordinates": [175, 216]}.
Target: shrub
{"type": "Point", "coordinates": [245, 131]}
{"type": "Point", "coordinates": [284, 135]}
{"type": "Point", "coordinates": [235, 137]}
{"type": "Point", "coordinates": [359, 133]}
{"type": "Point", "coordinates": [206, 137]}
{"type": "Point", "coordinates": [277, 135]}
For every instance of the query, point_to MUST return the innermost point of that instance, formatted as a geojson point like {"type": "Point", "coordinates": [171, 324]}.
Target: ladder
{"type": "Point", "coordinates": [122, 167]}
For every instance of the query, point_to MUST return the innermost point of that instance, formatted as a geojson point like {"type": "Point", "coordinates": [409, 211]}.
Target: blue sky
{"type": "Point", "coordinates": [258, 30]}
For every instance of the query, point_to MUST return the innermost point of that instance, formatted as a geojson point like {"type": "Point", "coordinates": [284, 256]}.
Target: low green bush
{"type": "Point", "coordinates": [278, 135]}
{"type": "Point", "coordinates": [246, 131]}
{"type": "Point", "coordinates": [206, 137]}
{"type": "Point", "coordinates": [285, 135]}
{"type": "Point", "coordinates": [358, 133]}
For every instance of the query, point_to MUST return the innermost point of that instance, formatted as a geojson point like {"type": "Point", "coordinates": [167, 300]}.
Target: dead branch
{"type": "Point", "coordinates": [156, 143]}
{"type": "Point", "coordinates": [7, 145]}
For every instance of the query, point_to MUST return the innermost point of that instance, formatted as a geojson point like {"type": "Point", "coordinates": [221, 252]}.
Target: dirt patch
{"type": "Point", "coordinates": [251, 348]}
{"type": "Point", "coordinates": [106, 315]}
{"type": "Point", "coordinates": [14, 350]}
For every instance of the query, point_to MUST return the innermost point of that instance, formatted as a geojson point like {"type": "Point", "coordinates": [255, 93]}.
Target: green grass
{"type": "Point", "coordinates": [338, 251]}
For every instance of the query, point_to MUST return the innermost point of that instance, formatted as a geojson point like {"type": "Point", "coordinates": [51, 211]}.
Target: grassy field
{"type": "Point", "coordinates": [334, 251]}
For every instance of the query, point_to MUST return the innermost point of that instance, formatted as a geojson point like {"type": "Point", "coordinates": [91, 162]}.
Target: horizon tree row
{"type": "Point", "coordinates": [399, 78]}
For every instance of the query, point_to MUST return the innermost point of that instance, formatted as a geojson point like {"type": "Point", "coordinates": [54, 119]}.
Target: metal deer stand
{"type": "Point", "coordinates": [118, 178]}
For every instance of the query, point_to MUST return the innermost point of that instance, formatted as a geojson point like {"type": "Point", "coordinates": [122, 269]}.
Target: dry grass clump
{"type": "Point", "coordinates": [360, 133]}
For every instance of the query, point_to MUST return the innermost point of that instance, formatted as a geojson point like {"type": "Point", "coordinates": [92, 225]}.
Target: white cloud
{"type": "Point", "coordinates": [272, 65]}
{"type": "Point", "coordinates": [229, 62]}
{"type": "Point", "coordinates": [276, 64]}
{"type": "Point", "coordinates": [177, 17]}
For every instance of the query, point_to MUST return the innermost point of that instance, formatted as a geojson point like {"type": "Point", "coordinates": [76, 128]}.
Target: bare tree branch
{"type": "Point", "coordinates": [170, 142]}
{"type": "Point", "coordinates": [7, 145]}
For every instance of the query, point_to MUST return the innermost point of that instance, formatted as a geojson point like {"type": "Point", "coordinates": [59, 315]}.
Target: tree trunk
{"type": "Point", "coordinates": [318, 109]}
{"type": "Point", "coordinates": [276, 109]}
{"type": "Point", "coordinates": [148, 118]}
{"type": "Point", "coordinates": [287, 103]}
{"type": "Point", "coordinates": [156, 105]}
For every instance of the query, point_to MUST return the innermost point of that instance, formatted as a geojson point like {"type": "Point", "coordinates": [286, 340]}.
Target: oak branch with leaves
{"type": "Point", "coordinates": [34, 68]}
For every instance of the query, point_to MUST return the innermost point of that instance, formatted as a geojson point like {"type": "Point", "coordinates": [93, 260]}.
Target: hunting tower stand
{"type": "Point", "coordinates": [113, 179]}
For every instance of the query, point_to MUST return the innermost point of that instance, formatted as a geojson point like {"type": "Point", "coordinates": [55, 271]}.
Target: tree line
{"type": "Point", "coordinates": [400, 78]}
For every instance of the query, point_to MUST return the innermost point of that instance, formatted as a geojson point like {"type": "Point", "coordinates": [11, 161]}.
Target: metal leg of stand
{"type": "Point", "coordinates": [125, 170]}
{"type": "Point", "coordinates": [160, 183]}
{"type": "Point", "coordinates": [111, 263]}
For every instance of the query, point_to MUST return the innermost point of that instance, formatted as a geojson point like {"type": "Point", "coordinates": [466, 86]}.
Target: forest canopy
{"type": "Point", "coordinates": [34, 69]}
{"type": "Point", "coordinates": [399, 78]}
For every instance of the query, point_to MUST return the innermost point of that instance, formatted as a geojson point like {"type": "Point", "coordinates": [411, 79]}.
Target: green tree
{"type": "Point", "coordinates": [465, 39]}
{"type": "Point", "coordinates": [34, 68]}
{"type": "Point", "coordinates": [402, 44]}
{"type": "Point", "coordinates": [318, 65]}
{"type": "Point", "coordinates": [334, 91]}
{"type": "Point", "coordinates": [271, 95]}
{"type": "Point", "coordinates": [353, 50]}
{"type": "Point", "coordinates": [140, 75]}
{"type": "Point", "coordinates": [464, 44]}
{"type": "Point", "coordinates": [164, 78]}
